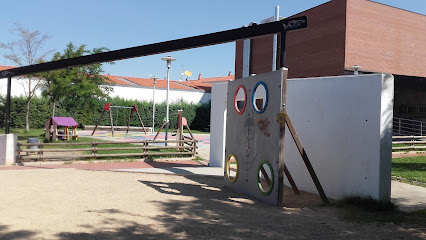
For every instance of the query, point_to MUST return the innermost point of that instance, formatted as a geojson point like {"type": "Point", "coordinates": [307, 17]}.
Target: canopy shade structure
{"type": "Point", "coordinates": [62, 121]}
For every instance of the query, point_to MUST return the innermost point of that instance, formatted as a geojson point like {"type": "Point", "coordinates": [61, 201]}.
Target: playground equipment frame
{"type": "Point", "coordinates": [107, 107]}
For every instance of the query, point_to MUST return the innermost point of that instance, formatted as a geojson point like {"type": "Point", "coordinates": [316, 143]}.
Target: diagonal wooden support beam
{"type": "Point", "coordinates": [306, 159]}
{"type": "Point", "coordinates": [140, 120]}
{"type": "Point", "coordinates": [162, 126]}
{"type": "Point", "coordinates": [97, 123]}
{"type": "Point", "coordinates": [290, 179]}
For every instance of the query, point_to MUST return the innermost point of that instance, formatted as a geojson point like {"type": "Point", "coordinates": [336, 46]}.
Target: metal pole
{"type": "Point", "coordinates": [153, 106]}
{"type": "Point", "coordinates": [274, 46]}
{"type": "Point", "coordinates": [9, 87]}
{"type": "Point", "coordinates": [167, 102]}
{"type": "Point", "coordinates": [169, 60]}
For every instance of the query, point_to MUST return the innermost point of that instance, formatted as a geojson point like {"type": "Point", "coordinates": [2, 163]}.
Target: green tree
{"type": "Point", "coordinates": [76, 84]}
{"type": "Point", "coordinates": [28, 50]}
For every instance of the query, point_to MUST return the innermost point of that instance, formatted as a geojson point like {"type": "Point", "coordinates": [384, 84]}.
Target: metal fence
{"type": "Point", "coordinates": [405, 127]}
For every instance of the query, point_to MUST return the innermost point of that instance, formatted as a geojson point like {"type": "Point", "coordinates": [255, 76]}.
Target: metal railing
{"type": "Point", "coordinates": [53, 151]}
{"type": "Point", "coordinates": [404, 127]}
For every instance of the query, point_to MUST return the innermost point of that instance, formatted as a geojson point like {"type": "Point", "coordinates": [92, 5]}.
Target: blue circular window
{"type": "Point", "coordinates": [260, 97]}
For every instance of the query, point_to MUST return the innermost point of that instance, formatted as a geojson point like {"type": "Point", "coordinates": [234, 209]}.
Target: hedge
{"type": "Point", "coordinates": [88, 112]}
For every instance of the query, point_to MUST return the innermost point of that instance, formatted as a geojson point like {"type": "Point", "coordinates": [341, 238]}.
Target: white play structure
{"type": "Point", "coordinates": [345, 125]}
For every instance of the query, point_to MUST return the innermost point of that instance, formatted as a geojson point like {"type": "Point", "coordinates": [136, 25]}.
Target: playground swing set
{"type": "Point", "coordinates": [181, 122]}
{"type": "Point", "coordinates": [108, 108]}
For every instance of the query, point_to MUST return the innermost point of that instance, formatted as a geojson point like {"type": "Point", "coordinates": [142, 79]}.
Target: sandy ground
{"type": "Point", "coordinates": [82, 204]}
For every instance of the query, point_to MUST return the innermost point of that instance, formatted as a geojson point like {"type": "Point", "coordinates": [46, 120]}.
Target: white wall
{"type": "Point", "coordinates": [218, 124]}
{"type": "Point", "coordinates": [126, 92]}
{"type": "Point", "coordinates": [16, 89]}
{"type": "Point", "coordinates": [8, 144]}
{"type": "Point", "coordinates": [345, 126]}
{"type": "Point", "coordinates": [145, 94]}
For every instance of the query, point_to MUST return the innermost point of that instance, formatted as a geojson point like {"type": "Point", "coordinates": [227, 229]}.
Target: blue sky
{"type": "Point", "coordinates": [129, 23]}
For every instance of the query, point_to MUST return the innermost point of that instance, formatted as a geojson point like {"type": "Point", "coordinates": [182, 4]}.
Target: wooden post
{"type": "Point", "coordinates": [179, 133]}
{"type": "Point", "coordinates": [74, 132]}
{"type": "Point", "coordinates": [66, 133]}
{"type": "Point", "coordinates": [140, 119]}
{"type": "Point", "coordinates": [281, 162]}
{"type": "Point", "coordinates": [145, 150]}
{"type": "Point", "coordinates": [194, 145]}
{"type": "Point", "coordinates": [47, 129]}
{"type": "Point", "coordinates": [94, 149]}
{"type": "Point", "coordinates": [306, 159]}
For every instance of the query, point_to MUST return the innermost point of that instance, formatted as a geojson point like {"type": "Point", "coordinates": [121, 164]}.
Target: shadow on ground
{"type": "Point", "coordinates": [5, 233]}
{"type": "Point", "coordinates": [217, 212]}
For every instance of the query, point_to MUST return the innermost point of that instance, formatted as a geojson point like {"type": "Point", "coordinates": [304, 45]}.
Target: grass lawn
{"type": "Point", "coordinates": [23, 136]}
{"type": "Point", "coordinates": [411, 168]}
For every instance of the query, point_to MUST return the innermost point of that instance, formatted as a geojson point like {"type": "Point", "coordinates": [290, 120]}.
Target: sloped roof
{"type": "Point", "coordinates": [206, 83]}
{"type": "Point", "coordinates": [115, 80]}
{"type": "Point", "coordinates": [2, 68]}
{"type": "Point", "coordinates": [149, 82]}
{"type": "Point", "coordinates": [63, 121]}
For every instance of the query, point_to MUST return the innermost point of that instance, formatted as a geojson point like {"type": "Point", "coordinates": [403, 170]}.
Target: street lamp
{"type": "Point", "coordinates": [169, 60]}
{"type": "Point", "coordinates": [356, 68]}
{"type": "Point", "coordinates": [153, 104]}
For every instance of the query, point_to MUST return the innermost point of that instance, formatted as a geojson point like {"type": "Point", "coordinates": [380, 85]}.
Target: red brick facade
{"type": "Point", "coordinates": [381, 38]}
{"type": "Point", "coordinates": [342, 33]}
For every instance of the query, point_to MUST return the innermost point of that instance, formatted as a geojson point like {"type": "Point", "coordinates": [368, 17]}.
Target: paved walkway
{"type": "Point", "coordinates": [110, 165]}
{"type": "Point", "coordinates": [203, 139]}
{"type": "Point", "coordinates": [408, 197]}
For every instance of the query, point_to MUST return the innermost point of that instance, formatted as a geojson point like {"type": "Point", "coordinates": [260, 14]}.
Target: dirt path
{"type": "Point", "coordinates": [82, 204]}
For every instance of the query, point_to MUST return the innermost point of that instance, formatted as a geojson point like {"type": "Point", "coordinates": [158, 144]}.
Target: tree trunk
{"type": "Point", "coordinates": [27, 116]}
{"type": "Point", "coordinates": [54, 106]}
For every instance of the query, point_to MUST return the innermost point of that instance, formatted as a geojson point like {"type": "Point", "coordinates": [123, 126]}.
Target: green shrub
{"type": "Point", "coordinates": [89, 111]}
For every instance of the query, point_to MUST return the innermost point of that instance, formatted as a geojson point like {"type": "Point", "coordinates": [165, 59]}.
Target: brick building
{"type": "Point", "coordinates": [344, 33]}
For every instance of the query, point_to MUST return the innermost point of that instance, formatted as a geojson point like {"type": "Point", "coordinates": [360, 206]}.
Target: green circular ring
{"type": "Point", "coordinates": [227, 168]}
{"type": "Point", "coordinates": [272, 178]}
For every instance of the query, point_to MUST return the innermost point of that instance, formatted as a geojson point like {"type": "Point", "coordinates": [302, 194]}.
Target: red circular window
{"type": "Point", "coordinates": [240, 99]}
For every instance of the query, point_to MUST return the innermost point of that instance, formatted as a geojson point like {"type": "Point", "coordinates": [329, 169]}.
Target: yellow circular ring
{"type": "Point", "coordinates": [228, 163]}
